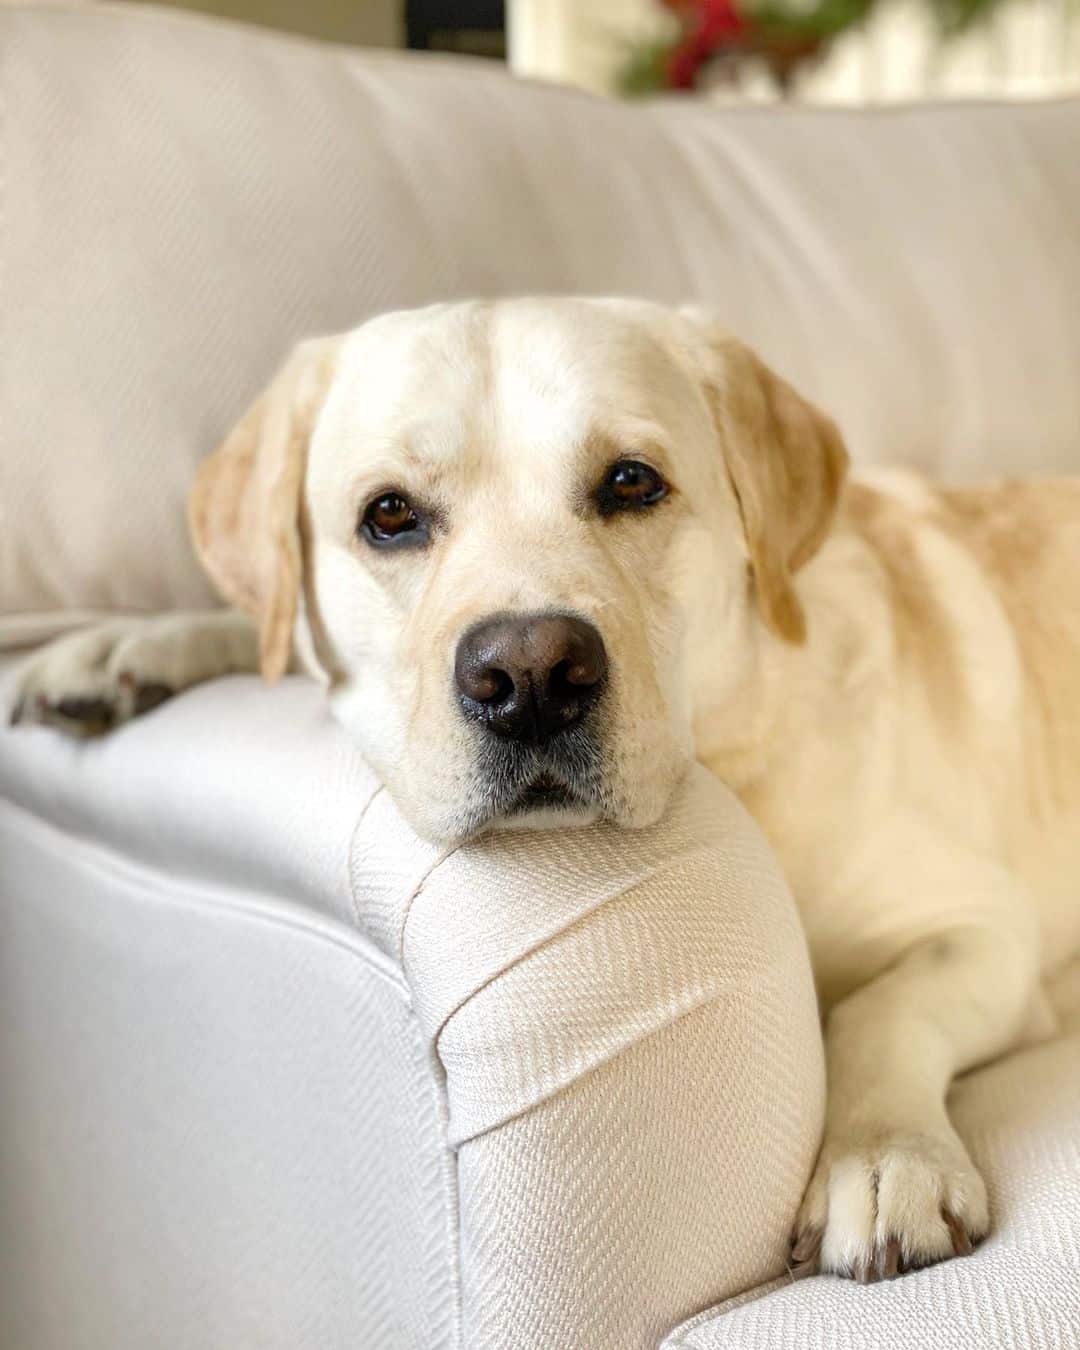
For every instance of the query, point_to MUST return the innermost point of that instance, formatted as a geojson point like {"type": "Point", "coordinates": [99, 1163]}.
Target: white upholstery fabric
{"type": "Point", "coordinates": [216, 1119]}
{"type": "Point", "coordinates": [601, 1049]}
{"type": "Point", "coordinates": [235, 784]}
{"type": "Point", "coordinates": [210, 195]}
{"type": "Point", "coordinates": [1021, 1288]}
{"type": "Point", "coordinates": [620, 1030]}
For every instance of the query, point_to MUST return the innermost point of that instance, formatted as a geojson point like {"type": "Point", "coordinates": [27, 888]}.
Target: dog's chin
{"type": "Point", "coordinates": [538, 793]}
{"type": "Point", "coordinates": [536, 787]}
{"type": "Point", "coordinates": [545, 804]}
{"type": "Point", "coordinates": [565, 785]}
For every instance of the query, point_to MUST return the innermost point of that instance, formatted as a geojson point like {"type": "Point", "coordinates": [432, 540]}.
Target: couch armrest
{"type": "Point", "coordinates": [583, 1094]}
{"type": "Point", "coordinates": [626, 1029]}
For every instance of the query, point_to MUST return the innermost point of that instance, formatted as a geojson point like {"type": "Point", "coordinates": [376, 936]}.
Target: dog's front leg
{"type": "Point", "coordinates": [92, 680]}
{"type": "Point", "coordinates": [894, 1187]}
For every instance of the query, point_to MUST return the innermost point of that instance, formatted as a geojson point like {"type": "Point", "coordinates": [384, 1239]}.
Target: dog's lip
{"type": "Point", "coordinates": [543, 791]}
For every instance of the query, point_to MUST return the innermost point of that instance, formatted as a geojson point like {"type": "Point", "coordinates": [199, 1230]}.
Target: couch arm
{"type": "Point", "coordinates": [626, 1031]}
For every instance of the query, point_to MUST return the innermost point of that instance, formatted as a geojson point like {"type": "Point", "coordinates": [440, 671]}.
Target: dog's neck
{"type": "Point", "coordinates": [748, 726]}
{"type": "Point", "coordinates": [738, 715]}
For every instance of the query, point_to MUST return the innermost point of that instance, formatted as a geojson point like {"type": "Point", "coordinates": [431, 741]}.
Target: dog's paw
{"type": "Point", "coordinates": [92, 681]}
{"type": "Point", "coordinates": [878, 1207]}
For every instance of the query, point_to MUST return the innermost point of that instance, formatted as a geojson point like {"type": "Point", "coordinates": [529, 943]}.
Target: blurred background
{"type": "Point", "coordinates": [831, 51]}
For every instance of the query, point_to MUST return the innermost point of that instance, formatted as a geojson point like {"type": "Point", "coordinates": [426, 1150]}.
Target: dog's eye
{"type": "Point", "coordinates": [392, 519]}
{"type": "Point", "coordinates": [629, 485]}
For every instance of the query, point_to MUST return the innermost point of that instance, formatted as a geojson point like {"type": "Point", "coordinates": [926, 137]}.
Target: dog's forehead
{"type": "Point", "coordinates": [505, 377]}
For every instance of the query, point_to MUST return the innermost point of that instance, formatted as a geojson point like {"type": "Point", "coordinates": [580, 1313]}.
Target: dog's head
{"type": "Point", "coordinates": [525, 542]}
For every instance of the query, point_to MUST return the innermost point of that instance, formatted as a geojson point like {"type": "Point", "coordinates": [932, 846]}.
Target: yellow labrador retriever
{"type": "Point", "coordinates": [543, 553]}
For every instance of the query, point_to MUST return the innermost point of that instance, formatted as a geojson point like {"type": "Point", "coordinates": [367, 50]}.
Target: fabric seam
{"type": "Point", "coordinates": [714, 997]}
{"type": "Point", "coordinates": [354, 899]}
{"type": "Point", "coordinates": [547, 939]}
{"type": "Point", "coordinates": [416, 891]}
{"type": "Point", "coordinates": [676, 1338]}
{"type": "Point", "coordinates": [450, 1175]}
{"type": "Point", "coordinates": [206, 895]}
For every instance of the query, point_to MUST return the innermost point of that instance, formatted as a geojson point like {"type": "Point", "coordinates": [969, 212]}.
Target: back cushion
{"type": "Point", "coordinates": [183, 200]}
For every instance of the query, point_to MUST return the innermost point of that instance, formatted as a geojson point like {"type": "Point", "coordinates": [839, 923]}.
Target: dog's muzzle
{"type": "Point", "coordinates": [529, 682]}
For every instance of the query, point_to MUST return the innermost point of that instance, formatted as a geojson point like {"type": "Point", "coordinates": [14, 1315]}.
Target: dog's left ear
{"type": "Point", "coordinates": [244, 509]}
{"type": "Point", "coordinates": [786, 461]}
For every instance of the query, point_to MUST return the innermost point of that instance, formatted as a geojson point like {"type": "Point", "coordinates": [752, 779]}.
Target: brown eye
{"type": "Point", "coordinates": [629, 485]}
{"type": "Point", "coordinates": [391, 519]}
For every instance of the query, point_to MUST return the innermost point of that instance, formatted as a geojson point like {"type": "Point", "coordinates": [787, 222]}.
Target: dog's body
{"type": "Point", "coordinates": [613, 502]}
{"type": "Point", "coordinates": [933, 712]}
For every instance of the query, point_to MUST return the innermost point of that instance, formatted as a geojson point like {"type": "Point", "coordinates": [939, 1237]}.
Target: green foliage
{"type": "Point", "coordinates": [643, 70]}
{"type": "Point", "coordinates": [957, 16]}
{"type": "Point", "coordinates": [776, 27]}
{"type": "Point", "coordinates": [826, 19]}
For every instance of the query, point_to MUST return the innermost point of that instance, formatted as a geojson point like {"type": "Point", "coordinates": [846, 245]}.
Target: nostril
{"type": "Point", "coordinates": [568, 679]}
{"type": "Point", "coordinates": [491, 685]}
{"type": "Point", "coordinates": [578, 675]}
{"type": "Point", "coordinates": [559, 677]}
{"type": "Point", "coordinates": [479, 678]}
{"type": "Point", "coordinates": [583, 672]}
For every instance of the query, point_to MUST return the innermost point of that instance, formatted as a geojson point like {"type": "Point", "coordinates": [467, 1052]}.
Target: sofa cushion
{"type": "Point", "coordinates": [183, 200]}
{"type": "Point", "coordinates": [1020, 1290]}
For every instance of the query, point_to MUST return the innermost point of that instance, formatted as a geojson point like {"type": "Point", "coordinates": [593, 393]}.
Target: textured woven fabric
{"type": "Point", "coordinates": [219, 1128]}
{"type": "Point", "coordinates": [702, 919]}
{"type": "Point", "coordinates": [620, 1029]}
{"type": "Point", "coordinates": [182, 201]}
{"type": "Point", "coordinates": [633, 1075]}
{"type": "Point", "coordinates": [1021, 1288]}
{"type": "Point", "coordinates": [651, 1173]}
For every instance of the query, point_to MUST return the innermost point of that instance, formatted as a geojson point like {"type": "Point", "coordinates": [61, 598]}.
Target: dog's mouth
{"type": "Point", "coordinates": [544, 793]}
{"type": "Point", "coordinates": [539, 784]}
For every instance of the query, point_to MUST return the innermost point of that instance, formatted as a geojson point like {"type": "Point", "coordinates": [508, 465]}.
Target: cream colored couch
{"type": "Point", "coordinates": [273, 1073]}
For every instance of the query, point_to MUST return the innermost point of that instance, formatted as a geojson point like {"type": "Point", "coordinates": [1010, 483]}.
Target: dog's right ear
{"type": "Point", "coordinates": [244, 509]}
{"type": "Point", "coordinates": [786, 462]}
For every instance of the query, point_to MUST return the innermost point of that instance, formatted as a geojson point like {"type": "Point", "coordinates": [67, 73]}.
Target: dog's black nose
{"type": "Point", "coordinates": [529, 676]}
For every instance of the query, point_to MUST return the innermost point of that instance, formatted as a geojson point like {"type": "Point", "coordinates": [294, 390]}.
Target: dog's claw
{"type": "Point", "coordinates": [805, 1246]}
{"type": "Point", "coordinates": [91, 714]}
{"type": "Point", "coordinates": [961, 1241]}
{"type": "Point", "coordinates": [805, 1250]}
{"type": "Point", "coordinates": [84, 709]}
{"type": "Point", "coordinates": [150, 696]}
